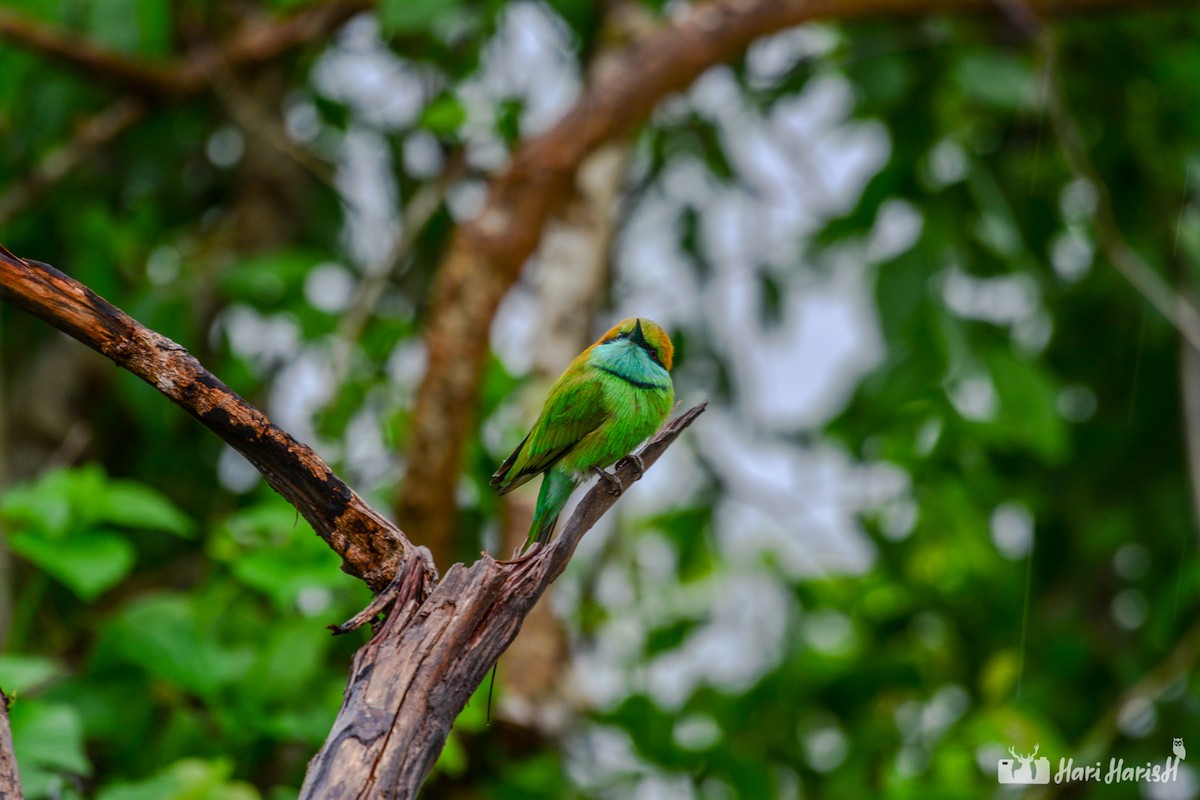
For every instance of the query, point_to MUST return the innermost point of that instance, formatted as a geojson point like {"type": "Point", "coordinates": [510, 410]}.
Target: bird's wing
{"type": "Point", "coordinates": [574, 409]}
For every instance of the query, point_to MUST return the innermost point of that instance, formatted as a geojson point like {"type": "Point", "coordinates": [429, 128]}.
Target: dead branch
{"type": "Point", "coordinates": [372, 548]}
{"type": "Point", "coordinates": [486, 255]}
{"type": "Point", "coordinates": [409, 683]}
{"type": "Point", "coordinates": [10, 779]}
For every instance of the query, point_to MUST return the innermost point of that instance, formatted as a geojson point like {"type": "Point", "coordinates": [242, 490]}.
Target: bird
{"type": "Point", "coordinates": [1177, 747]}
{"type": "Point", "coordinates": [613, 396]}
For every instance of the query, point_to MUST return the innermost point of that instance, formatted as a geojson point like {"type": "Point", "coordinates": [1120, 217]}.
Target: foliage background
{"type": "Point", "coordinates": [942, 503]}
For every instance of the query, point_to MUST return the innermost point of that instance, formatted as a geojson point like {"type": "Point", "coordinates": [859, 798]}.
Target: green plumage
{"type": "Point", "coordinates": [613, 396]}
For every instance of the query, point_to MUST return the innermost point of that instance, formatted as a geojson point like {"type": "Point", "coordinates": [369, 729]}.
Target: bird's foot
{"type": "Point", "coordinates": [636, 461]}
{"type": "Point", "coordinates": [523, 553]}
{"type": "Point", "coordinates": [612, 484]}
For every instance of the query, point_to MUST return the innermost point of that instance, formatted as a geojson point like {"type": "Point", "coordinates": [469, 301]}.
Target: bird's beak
{"type": "Point", "coordinates": [637, 337]}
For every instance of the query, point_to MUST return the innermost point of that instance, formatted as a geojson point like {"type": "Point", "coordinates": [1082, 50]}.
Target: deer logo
{"type": "Point", "coordinates": [1023, 769]}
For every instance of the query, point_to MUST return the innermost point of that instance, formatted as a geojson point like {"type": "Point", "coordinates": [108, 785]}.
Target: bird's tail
{"type": "Point", "coordinates": [556, 488]}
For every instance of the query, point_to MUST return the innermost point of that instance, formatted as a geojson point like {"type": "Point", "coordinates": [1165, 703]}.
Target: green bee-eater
{"type": "Point", "coordinates": [613, 395]}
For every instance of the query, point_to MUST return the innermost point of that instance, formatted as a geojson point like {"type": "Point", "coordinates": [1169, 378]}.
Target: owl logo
{"type": "Point", "coordinates": [1177, 747]}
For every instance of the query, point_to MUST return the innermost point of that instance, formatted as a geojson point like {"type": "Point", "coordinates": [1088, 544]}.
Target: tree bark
{"type": "Point", "coordinates": [410, 682]}
{"type": "Point", "coordinates": [10, 779]}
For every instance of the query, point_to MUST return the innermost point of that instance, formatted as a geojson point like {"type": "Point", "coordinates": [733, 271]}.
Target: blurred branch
{"type": "Point", "coordinates": [95, 132]}
{"type": "Point", "coordinates": [1189, 380]}
{"type": "Point", "coordinates": [257, 40]}
{"type": "Point", "coordinates": [1149, 283]}
{"type": "Point", "coordinates": [410, 682]}
{"type": "Point", "coordinates": [371, 547]}
{"type": "Point", "coordinates": [486, 254]}
{"type": "Point", "coordinates": [77, 52]}
{"type": "Point", "coordinates": [1176, 667]}
{"type": "Point", "coordinates": [10, 779]}
{"type": "Point", "coordinates": [250, 115]}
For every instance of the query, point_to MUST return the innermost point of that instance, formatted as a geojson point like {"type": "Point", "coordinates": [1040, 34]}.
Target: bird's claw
{"type": "Point", "coordinates": [523, 554]}
{"type": "Point", "coordinates": [636, 461]}
{"type": "Point", "coordinates": [612, 484]}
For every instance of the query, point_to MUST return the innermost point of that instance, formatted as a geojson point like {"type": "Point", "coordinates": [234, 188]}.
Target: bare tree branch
{"type": "Point", "coordinates": [486, 255]}
{"type": "Point", "coordinates": [10, 779]}
{"type": "Point", "coordinates": [371, 547]}
{"type": "Point", "coordinates": [1128, 262]}
{"type": "Point", "coordinates": [409, 683]}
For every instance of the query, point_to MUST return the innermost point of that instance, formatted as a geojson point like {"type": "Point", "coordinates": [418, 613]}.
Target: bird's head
{"type": "Point", "coordinates": [647, 335]}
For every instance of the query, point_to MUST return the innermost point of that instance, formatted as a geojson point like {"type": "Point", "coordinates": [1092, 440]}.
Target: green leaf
{"type": "Point", "coordinates": [1028, 410]}
{"type": "Point", "coordinates": [47, 504]}
{"type": "Point", "coordinates": [140, 27]}
{"type": "Point", "coordinates": [288, 661]}
{"type": "Point", "coordinates": [138, 506]}
{"type": "Point", "coordinates": [190, 779]}
{"type": "Point", "coordinates": [444, 116]}
{"type": "Point", "coordinates": [20, 673]}
{"type": "Point", "coordinates": [268, 550]}
{"type": "Point", "coordinates": [1003, 80]}
{"type": "Point", "coordinates": [268, 279]}
{"type": "Point", "coordinates": [413, 16]}
{"type": "Point", "coordinates": [89, 564]}
{"type": "Point", "coordinates": [49, 736]}
{"type": "Point", "coordinates": [161, 635]}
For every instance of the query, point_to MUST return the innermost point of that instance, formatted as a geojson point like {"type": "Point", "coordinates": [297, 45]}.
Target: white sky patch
{"type": "Point", "coordinates": [381, 89]}
{"type": "Point", "coordinates": [737, 645]}
{"type": "Point", "coordinates": [531, 59]}
{"type": "Point", "coordinates": [329, 287]}
{"type": "Point", "coordinates": [800, 506]}
{"type": "Point", "coordinates": [1071, 253]}
{"type": "Point", "coordinates": [975, 398]}
{"type": "Point", "coordinates": [1012, 530]}
{"type": "Point", "coordinates": [770, 58]}
{"type": "Point", "coordinates": [366, 180]}
{"type": "Point", "coordinates": [265, 340]}
{"type": "Point", "coordinates": [300, 389]}
{"type": "Point", "coordinates": [235, 473]}
{"type": "Point", "coordinates": [1000, 300]}
{"type": "Point", "coordinates": [897, 228]}
{"type": "Point", "coordinates": [800, 372]}
{"type": "Point", "coordinates": [374, 463]}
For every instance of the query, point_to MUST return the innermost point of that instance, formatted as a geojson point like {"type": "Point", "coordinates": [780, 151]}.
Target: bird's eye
{"type": "Point", "coordinates": [654, 356]}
